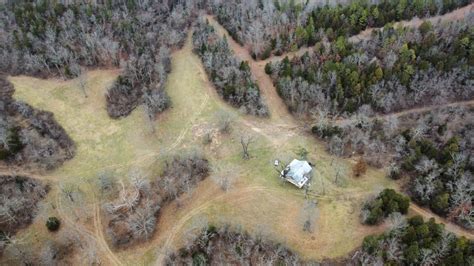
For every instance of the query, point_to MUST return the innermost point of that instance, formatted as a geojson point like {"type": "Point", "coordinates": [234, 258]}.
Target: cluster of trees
{"type": "Point", "coordinates": [415, 242]}
{"type": "Point", "coordinates": [132, 216]}
{"type": "Point", "coordinates": [18, 202]}
{"type": "Point", "coordinates": [30, 137]}
{"type": "Point", "coordinates": [441, 176]}
{"type": "Point", "coordinates": [231, 77]}
{"type": "Point", "coordinates": [224, 246]}
{"type": "Point", "coordinates": [45, 38]}
{"type": "Point", "coordinates": [386, 203]}
{"type": "Point", "coordinates": [277, 27]}
{"type": "Point", "coordinates": [397, 69]}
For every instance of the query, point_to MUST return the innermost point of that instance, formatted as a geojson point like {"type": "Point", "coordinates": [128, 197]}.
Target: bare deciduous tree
{"type": "Point", "coordinates": [82, 80]}
{"type": "Point", "coordinates": [245, 141]}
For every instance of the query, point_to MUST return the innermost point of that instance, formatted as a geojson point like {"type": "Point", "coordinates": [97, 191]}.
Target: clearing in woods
{"type": "Point", "coordinates": [257, 200]}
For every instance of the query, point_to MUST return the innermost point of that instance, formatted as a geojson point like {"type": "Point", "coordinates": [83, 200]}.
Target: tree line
{"type": "Point", "coordinates": [18, 204]}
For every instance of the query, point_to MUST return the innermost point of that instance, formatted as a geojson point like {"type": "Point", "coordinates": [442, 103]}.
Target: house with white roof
{"type": "Point", "coordinates": [297, 173]}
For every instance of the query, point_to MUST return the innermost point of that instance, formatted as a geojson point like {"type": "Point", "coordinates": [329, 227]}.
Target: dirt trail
{"type": "Point", "coordinates": [242, 193]}
{"type": "Point", "coordinates": [448, 225]}
{"type": "Point", "coordinates": [468, 103]}
{"type": "Point", "coordinates": [100, 237]}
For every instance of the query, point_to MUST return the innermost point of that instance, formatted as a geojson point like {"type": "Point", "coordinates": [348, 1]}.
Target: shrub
{"type": "Point", "coordinates": [328, 131]}
{"type": "Point", "coordinates": [359, 168]}
{"type": "Point", "coordinates": [268, 68]}
{"type": "Point", "coordinates": [53, 224]}
{"type": "Point", "coordinates": [387, 202]}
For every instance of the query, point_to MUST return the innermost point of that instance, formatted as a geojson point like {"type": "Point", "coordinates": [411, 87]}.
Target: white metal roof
{"type": "Point", "coordinates": [298, 172]}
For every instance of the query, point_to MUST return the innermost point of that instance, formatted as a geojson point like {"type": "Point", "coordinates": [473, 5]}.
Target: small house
{"type": "Point", "coordinates": [297, 172]}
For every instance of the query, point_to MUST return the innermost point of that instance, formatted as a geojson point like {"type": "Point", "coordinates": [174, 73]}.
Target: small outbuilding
{"type": "Point", "coordinates": [297, 172]}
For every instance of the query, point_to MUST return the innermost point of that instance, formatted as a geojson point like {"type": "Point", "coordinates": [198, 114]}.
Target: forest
{"type": "Point", "coordinates": [398, 68]}
{"type": "Point", "coordinates": [432, 148]}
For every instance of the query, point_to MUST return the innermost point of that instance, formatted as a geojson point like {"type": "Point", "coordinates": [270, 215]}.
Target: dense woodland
{"type": "Point", "coordinates": [132, 216]}
{"type": "Point", "coordinates": [415, 242]}
{"type": "Point", "coordinates": [231, 77]}
{"type": "Point", "coordinates": [274, 27]}
{"type": "Point", "coordinates": [47, 39]}
{"type": "Point", "coordinates": [398, 68]}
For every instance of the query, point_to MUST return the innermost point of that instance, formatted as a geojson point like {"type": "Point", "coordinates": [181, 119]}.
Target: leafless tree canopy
{"type": "Point", "coordinates": [19, 198]}
{"type": "Point", "coordinates": [30, 137]}
{"type": "Point", "coordinates": [132, 216]}
{"type": "Point", "coordinates": [223, 246]}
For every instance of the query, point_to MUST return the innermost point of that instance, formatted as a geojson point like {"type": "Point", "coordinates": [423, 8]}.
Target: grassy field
{"type": "Point", "coordinates": [257, 200]}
